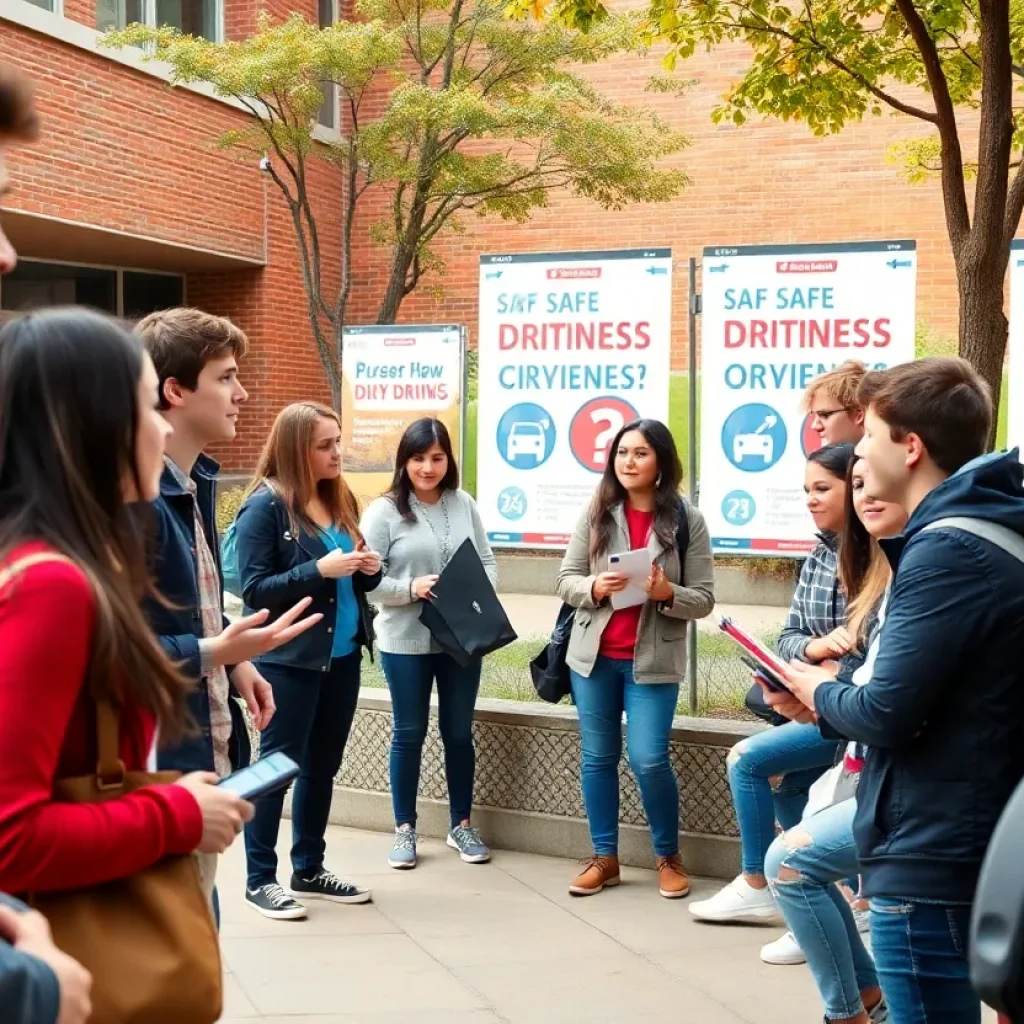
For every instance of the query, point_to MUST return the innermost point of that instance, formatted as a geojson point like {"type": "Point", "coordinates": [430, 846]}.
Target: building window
{"type": "Point", "coordinates": [328, 14]}
{"type": "Point", "coordinates": [131, 294]}
{"type": "Point", "coordinates": [143, 294]}
{"type": "Point", "coordinates": [53, 6]}
{"type": "Point", "coordinates": [192, 17]}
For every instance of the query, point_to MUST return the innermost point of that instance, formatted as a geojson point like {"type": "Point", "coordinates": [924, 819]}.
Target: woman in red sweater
{"type": "Point", "coordinates": [81, 443]}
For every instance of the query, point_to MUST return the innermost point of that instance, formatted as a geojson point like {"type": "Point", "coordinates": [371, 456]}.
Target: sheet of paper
{"type": "Point", "coordinates": [637, 566]}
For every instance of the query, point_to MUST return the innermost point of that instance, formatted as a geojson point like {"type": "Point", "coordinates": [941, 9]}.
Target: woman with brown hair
{"type": "Point", "coordinates": [81, 451]}
{"type": "Point", "coordinates": [298, 536]}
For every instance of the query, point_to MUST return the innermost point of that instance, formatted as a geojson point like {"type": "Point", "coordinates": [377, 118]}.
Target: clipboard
{"type": "Point", "coordinates": [637, 566]}
{"type": "Point", "coordinates": [765, 662]}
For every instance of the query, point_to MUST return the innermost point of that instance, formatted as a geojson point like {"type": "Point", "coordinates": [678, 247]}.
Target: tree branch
{"type": "Point", "coordinates": [958, 220]}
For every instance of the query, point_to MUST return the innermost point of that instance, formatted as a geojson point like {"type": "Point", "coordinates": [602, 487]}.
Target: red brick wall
{"type": "Point", "coordinates": [122, 150]}
{"type": "Point", "coordinates": [768, 182]}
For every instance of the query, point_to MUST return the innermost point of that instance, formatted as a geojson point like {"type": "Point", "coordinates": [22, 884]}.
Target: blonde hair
{"type": "Point", "coordinates": [285, 467]}
{"type": "Point", "coordinates": [840, 384]}
{"type": "Point", "coordinates": [863, 605]}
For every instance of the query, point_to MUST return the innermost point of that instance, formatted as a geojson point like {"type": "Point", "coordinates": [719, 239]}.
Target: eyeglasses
{"type": "Point", "coordinates": [826, 414]}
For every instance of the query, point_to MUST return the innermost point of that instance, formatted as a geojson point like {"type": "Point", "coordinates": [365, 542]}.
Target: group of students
{"type": "Point", "coordinates": [897, 742]}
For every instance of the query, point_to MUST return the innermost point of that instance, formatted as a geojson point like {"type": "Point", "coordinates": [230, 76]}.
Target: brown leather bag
{"type": "Point", "coordinates": [149, 941]}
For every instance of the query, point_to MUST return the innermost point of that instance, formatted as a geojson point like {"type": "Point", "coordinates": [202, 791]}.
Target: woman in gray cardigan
{"type": "Point", "coordinates": [631, 659]}
{"type": "Point", "coordinates": [416, 528]}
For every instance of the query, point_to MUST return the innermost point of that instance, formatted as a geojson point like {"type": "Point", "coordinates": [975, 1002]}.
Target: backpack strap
{"type": "Point", "coordinates": [1001, 536]}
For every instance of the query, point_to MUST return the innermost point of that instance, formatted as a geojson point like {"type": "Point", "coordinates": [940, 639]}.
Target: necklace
{"type": "Point", "coordinates": [444, 544]}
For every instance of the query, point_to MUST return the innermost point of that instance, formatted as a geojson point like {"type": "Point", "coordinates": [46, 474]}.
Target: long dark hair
{"type": "Point", "coordinates": [863, 569]}
{"type": "Point", "coordinates": [610, 492]}
{"type": "Point", "coordinates": [835, 458]}
{"type": "Point", "coordinates": [418, 438]}
{"type": "Point", "coordinates": [68, 417]}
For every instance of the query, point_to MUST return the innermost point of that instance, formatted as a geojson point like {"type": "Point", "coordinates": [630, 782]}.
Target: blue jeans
{"type": "Point", "coordinates": [410, 679]}
{"type": "Point", "coordinates": [314, 717]}
{"type": "Point", "coordinates": [921, 953]}
{"type": "Point", "coordinates": [817, 912]}
{"type": "Point", "coordinates": [796, 752]}
{"type": "Point", "coordinates": [600, 701]}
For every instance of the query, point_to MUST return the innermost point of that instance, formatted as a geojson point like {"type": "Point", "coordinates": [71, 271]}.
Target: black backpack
{"type": "Point", "coordinates": [549, 672]}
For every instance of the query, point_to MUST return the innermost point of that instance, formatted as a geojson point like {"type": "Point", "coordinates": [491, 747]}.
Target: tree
{"type": "Point", "coordinates": [947, 63]}
{"type": "Point", "coordinates": [446, 104]}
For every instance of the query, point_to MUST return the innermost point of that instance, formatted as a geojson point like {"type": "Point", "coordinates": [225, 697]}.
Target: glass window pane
{"type": "Point", "coordinates": [47, 5]}
{"type": "Point", "coordinates": [193, 17]}
{"type": "Point", "coordinates": [37, 285]}
{"type": "Point", "coordinates": [146, 293]}
{"type": "Point", "coordinates": [112, 14]}
{"type": "Point", "coordinates": [328, 115]}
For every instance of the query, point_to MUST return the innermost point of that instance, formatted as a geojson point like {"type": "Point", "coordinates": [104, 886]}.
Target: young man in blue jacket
{"type": "Point", "coordinates": [196, 357]}
{"type": "Point", "coordinates": [943, 713]}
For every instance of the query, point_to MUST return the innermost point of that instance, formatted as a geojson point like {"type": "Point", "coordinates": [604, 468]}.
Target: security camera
{"type": "Point", "coordinates": [265, 164]}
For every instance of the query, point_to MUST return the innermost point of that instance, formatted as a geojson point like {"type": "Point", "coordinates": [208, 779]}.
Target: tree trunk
{"type": "Point", "coordinates": [983, 326]}
{"type": "Point", "coordinates": [387, 313]}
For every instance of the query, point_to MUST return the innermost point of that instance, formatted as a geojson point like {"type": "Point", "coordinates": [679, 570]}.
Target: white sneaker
{"type": "Point", "coordinates": [738, 901]}
{"type": "Point", "coordinates": [783, 952]}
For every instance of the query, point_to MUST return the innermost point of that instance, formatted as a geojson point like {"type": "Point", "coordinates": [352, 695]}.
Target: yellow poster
{"type": "Point", "coordinates": [393, 375]}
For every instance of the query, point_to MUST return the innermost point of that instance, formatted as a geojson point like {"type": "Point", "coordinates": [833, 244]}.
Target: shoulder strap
{"type": "Point", "coordinates": [683, 529]}
{"type": "Point", "coordinates": [109, 766]}
{"type": "Point", "coordinates": [1001, 536]}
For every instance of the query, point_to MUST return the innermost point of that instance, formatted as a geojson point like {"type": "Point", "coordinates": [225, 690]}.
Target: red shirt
{"type": "Point", "coordinates": [619, 637]}
{"type": "Point", "coordinates": [48, 731]}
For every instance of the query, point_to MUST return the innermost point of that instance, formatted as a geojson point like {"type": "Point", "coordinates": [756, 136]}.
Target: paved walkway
{"type": "Point", "coordinates": [451, 943]}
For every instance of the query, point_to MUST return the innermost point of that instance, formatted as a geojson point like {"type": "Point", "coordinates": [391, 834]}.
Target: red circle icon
{"type": "Point", "coordinates": [594, 426]}
{"type": "Point", "coordinates": [809, 437]}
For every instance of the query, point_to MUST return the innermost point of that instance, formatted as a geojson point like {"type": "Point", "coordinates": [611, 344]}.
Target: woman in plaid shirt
{"type": "Point", "coordinates": [792, 754]}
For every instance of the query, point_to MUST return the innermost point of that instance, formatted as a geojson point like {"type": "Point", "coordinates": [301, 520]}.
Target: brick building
{"type": "Point", "coordinates": [127, 204]}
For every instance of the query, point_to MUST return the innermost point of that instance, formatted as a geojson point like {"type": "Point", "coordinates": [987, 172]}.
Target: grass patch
{"type": "Point", "coordinates": [722, 679]}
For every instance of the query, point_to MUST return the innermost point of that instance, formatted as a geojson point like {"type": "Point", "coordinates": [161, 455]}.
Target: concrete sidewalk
{"type": "Point", "coordinates": [451, 943]}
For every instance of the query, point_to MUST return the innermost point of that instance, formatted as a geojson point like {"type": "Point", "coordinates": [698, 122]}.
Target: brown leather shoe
{"type": "Point", "coordinates": [597, 873]}
{"type": "Point", "coordinates": [673, 882]}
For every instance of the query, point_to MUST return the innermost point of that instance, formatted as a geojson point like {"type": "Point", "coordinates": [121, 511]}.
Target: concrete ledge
{"type": "Point", "coordinates": [705, 855]}
{"type": "Point", "coordinates": [528, 783]}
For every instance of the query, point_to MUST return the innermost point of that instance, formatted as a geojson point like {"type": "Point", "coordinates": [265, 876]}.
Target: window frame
{"type": "Point", "coordinates": [119, 279]}
{"type": "Point", "coordinates": [149, 16]}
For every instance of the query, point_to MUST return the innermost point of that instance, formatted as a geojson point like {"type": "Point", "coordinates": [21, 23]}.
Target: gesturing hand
{"type": "Point", "coordinates": [248, 638]}
{"type": "Point", "coordinates": [257, 693]}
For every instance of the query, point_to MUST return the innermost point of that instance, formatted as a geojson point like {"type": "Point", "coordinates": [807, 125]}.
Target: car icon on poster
{"type": "Point", "coordinates": [525, 439]}
{"type": "Point", "coordinates": [753, 446]}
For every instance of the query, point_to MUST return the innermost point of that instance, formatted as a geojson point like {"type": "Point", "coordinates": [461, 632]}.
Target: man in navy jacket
{"type": "Point", "coordinates": [943, 713]}
{"type": "Point", "coordinates": [196, 357]}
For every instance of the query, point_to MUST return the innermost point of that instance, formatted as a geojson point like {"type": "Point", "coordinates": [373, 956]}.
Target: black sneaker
{"type": "Point", "coordinates": [325, 886]}
{"type": "Point", "coordinates": [273, 902]}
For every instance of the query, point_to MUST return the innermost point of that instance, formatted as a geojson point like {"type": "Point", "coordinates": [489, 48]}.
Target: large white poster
{"type": "Point", "coordinates": [774, 318]}
{"type": "Point", "coordinates": [572, 346]}
{"type": "Point", "coordinates": [1015, 399]}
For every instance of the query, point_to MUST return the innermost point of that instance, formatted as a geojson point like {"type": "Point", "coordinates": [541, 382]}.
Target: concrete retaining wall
{"type": "Point", "coordinates": [528, 784]}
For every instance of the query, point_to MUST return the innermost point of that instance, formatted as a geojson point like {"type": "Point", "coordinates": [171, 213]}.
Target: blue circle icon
{"type": "Point", "coordinates": [754, 437]}
{"type": "Point", "coordinates": [738, 508]}
{"type": "Point", "coordinates": [526, 436]}
{"type": "Point", "coordinates": [512, 503]}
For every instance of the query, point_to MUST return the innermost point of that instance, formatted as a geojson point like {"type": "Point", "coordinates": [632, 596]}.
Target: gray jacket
{"type": "Point", "coordinates": [661, 637]}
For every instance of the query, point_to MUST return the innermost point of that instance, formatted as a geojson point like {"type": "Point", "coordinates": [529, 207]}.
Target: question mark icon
{"type": "Point", "coordinates": [615, 421]}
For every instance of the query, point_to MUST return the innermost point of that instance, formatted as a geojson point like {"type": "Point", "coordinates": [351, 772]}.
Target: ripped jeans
{"type": "Point", "coordinates": [796, 752]}
{"type": "Point", "coordinates": [820, 851]}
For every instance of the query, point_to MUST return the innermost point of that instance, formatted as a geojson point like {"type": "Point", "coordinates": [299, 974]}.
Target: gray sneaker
{"type": "Point", "coordinates": [403, 852]}
{"type": "Point", "coordinates": [471, 847]}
